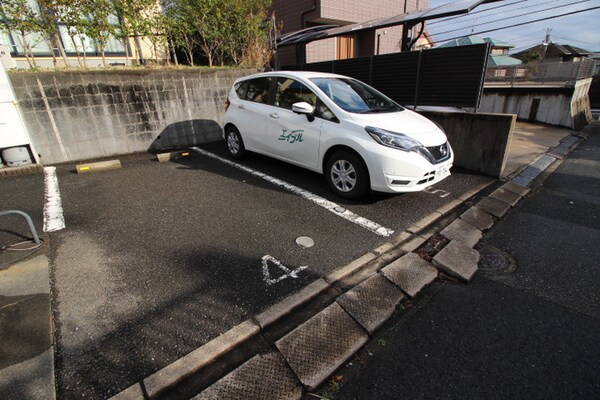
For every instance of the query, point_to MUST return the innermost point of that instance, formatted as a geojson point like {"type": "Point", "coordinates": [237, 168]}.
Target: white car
{"type": "Point", "coordinates": [337, 126]}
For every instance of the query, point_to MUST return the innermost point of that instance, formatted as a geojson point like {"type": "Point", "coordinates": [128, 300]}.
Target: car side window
{"type": "Point", "coordinates": [258, 90]}
{"type": "Point", "coordinates": [322, 111]}
{"type": "Point", "coordinates": [290, 91]}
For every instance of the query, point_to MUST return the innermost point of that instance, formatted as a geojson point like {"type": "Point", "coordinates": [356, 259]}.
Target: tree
{"type": "Point", "coordinates": [135, 21]}
{"type": "Point", "coordinates": [19, 16]}
{"type": "Point", "coordinates": [249, 40]}
{"type": "Point", "coordinates": [49, 29]}
{"type": "Point", "coordinates": [71, 14]}
{"type": "Point", "coordinates": [98, 25]}
{"type": "Point", "coordinates": [225, 31]}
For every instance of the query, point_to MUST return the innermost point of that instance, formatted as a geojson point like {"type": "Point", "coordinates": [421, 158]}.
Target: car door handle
{"type": "Point", "coordinates": [241, 107]}
{"type": "Point", "coordinates": [274, 115]}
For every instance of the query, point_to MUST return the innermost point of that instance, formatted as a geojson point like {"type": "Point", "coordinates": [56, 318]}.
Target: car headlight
{"type": "Point", "coordinates": [394, 139]}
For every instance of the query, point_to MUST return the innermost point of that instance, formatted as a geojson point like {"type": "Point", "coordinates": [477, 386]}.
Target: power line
{"type": "Point", "coordinates": [522, 23]}
{"type": "Point", "coordinates": [465, 17]}
{"type": "Point", "coordinates": [512, 17]}
{"type": "Point", "coordinates": [575, 40]}
{"type": "Point", "coordinates": [476, 12]}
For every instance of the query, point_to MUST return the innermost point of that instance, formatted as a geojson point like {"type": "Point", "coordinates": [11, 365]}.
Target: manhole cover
{"type": "Point", "coordinates": [494, 261]}
{"type": "Point", "coordinates": [305, 241]}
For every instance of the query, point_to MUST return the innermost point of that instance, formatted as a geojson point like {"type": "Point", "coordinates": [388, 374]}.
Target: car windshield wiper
{"type": "Point", "coordinates": [379, 109]}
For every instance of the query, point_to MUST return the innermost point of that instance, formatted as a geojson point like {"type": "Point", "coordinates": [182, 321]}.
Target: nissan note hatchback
{"type": "Point", "coordinates": [337, 126]}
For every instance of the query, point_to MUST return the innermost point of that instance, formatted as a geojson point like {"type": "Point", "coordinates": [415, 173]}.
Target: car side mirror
{"type": "Point", "coordinates": [303, 107]}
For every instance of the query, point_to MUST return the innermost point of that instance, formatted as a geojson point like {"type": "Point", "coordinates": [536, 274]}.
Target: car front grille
{"type": "Point", "coordinates": [437, 154]}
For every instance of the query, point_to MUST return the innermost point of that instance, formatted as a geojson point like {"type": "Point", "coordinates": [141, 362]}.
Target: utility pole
{"type": "Point", "coordinates": [545, 43]}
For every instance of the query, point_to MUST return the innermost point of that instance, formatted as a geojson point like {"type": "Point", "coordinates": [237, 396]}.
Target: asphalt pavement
{"type": "Point", "coordinates": [530, 332]}
{"type": "Point", "coordinates": [160, 258]}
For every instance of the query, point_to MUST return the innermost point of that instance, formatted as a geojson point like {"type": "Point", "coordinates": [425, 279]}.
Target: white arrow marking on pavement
{"type": "Point", "coordinates": [288, 272]}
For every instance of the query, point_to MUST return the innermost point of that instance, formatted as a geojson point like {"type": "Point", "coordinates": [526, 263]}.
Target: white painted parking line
{"type": "Point", "coordinates": [318, 200]}
{"type": "Point", "coordinates": [53, 211]}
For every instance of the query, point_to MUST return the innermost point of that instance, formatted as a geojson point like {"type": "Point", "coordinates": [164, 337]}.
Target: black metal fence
{"type": "Point", "coordinates": [451, 76]}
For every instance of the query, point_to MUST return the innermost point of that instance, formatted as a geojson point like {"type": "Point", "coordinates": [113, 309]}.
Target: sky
{"type": "Point", "coordinates": [580, 30]}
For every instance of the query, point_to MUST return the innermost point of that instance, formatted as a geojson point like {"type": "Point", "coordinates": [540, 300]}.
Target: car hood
{"type": "Point", "coordinates": [406, 122]}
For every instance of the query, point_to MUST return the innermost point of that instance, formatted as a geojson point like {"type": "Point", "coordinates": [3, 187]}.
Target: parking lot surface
{"type": "Point", "coordinates": [159, 258]}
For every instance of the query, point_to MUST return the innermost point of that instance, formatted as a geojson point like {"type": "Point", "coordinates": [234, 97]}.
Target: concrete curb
{"type": "Point", "coordinates": [98, 166]}
{"type": "Point", "coordinates": [164, 157]}
{"type": "Point", "coordinates": [346, 278]}
{"type": "Point", "coordinates": [24, 170]}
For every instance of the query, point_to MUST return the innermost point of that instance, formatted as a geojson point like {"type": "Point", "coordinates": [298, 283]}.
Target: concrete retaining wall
{"type": "Point", "coordinates": [91, 114]}
{"type": "Point", "coordinates": [561, 106]}
{"type": "Point", "coordinates": [480, 141]}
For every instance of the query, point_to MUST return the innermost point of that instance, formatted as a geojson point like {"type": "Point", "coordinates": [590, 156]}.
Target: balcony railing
{"type": "Point", "coordinates": [551, 74]}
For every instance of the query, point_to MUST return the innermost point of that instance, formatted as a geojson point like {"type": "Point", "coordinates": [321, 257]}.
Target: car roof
{"type": "Point", "coordinates": [301, 74]}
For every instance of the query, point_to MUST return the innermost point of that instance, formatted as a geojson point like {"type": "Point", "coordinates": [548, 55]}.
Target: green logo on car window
{"type": "Point", "coordinates": [293, 136]}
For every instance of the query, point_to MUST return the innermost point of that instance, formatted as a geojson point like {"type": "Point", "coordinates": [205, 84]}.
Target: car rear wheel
{"type": "Point", "coordinates": [235, 144]}
{"type": "Point", "coordinates": [347, 175]}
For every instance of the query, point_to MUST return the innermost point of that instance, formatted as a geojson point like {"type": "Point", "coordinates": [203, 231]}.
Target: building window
{"type": "Point", "coordinates": [39, 47]}
{"type": "Point", "coordinates": [346, 47]}
{"type": "Point", "coordinates": [74, 41]}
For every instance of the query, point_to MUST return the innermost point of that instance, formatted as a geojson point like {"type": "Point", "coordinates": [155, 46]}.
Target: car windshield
{"type": "Point", "coordinates": [355, 97]}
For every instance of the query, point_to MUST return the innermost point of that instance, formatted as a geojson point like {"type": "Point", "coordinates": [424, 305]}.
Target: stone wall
{"type": "Point", "coordinates": [92, 114]}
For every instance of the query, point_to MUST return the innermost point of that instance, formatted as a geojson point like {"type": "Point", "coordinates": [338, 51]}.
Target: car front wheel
{"type": "Point", "coordinates": [235, 144]}
{"type": "Point", "coordinates": [347, 175]}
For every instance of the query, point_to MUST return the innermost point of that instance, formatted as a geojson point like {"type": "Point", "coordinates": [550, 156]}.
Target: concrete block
{"type": "Point", "coordinates": [515, 188]}
{"type": "Point", "coordinates": [424, 222]}
{"type": "Point", "coordinates": [463, 232]}
{"type": "Point", "coordinates": [349, 269]}
{"type": "Point", "coordinates": [457, 260]}
{"type": "Point", "coordinates": [448, 207]}
{"type": "Point", "coordinates": [492, 206]}
{"type": "Point", "coordinates": [384, 248]}
{"type": "Point", "coordinates": [401, 238]}
{"type": "Point", "coordinates": [264, 376]}
{"type": "Point", "coordinates": [291, 303]}
{"type": "Point", "coordinates": [506, 196]}
{"type": "Point", "coordinates": [134, 392]}
{"type": "Point", "coordinates": [410, 273]}
{"type": "Point", "coordinates": [372, 302]}
{"type": "Point", "coordinates": [478, 218]}
{"type": "Point", "coordinates": [163, 157]}
{"type": "Point", "coordinates": [321, 345]}
{"type": "Point", "coordinates": [412, 244]}
{"type": "Point", "coordinates": [193, 362]}
{"type": "Point", "coordinates": [98, 166]}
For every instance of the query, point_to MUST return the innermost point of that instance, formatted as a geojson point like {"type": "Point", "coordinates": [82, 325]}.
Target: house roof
{"type": "Point", "coordinates": [566, 50]}
{"type": "Point", "coordinates": [555, 50]}
{"type": "Point", "coordinates": [502, 60]}
{"type": "Point", "coordinates": [498, 43]}
{"type": "Point", "coordinates": [472, 39]}
{"type": "Point", "coordinates": [463, 41]}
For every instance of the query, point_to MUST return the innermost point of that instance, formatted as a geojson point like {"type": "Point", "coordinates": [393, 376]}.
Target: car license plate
{"type": "Point", "coordinates": [442, 171]}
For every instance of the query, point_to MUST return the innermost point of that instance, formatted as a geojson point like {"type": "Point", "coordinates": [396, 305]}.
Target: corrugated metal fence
{"type": "Point", "coordinates": [450, 76]}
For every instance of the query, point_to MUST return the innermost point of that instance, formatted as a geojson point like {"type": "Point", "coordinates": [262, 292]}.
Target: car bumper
{"type": "Point", "coordinates": [396, 171]}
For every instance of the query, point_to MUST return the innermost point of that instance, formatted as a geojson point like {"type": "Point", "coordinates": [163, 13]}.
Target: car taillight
{"type": "Point", "coordinates": [227, 104]}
